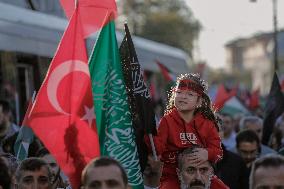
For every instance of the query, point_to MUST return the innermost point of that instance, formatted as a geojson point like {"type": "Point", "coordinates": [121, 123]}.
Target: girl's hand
{"type": "Point", "coordinates": [199, 156]}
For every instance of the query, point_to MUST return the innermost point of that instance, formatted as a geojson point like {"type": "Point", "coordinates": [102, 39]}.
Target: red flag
{"type": "Point", "coordinates": [254, 99]}
{"type": "Point", "coordinates": [94, 14]}
{"type": "Point", "coordinates": [282, 84]}
{"type": "Point", "coordinates": [165, 72]}
{"type": "Point", "coordinates": [223, 96]}
{"type": "Point", "coordinates": [30, 104]}
{"type": "Point", "coordinates": [63, 113]}
{"type": "Point", "coordinates": [25, 120]}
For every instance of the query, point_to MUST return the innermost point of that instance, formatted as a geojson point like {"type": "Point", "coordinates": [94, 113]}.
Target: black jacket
{"type": "Point", "coordinates": [232, 170]}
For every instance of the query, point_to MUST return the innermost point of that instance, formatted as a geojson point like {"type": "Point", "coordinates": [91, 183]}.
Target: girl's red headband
{"type": "Point", "coordinates": [187, 84]}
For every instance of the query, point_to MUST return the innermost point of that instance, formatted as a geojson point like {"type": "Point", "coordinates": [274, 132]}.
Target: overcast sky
{"type": "Point", "coordinates": [224, 20]}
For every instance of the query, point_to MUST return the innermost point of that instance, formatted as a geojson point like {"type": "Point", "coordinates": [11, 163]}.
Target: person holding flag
{"type": "Point", "coordinates": [188, 121]}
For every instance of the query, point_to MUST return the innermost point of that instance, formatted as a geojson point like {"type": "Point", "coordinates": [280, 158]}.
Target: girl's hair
{"type": "Point", "coordinates": [206, 108]}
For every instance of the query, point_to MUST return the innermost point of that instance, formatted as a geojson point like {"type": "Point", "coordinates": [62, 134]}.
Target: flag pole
{"type": "Point", "coordinates": [153, 147]}
{"type": "Point", "coordinates": [76, 4]}
{"type": "Point", "coordinates": [33, 97]}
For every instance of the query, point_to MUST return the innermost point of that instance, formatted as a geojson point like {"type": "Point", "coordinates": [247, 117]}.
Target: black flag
{"type": "Point", "coordinates": [141, 106]}
{"type": "Point", "coordinates": [274, 107]}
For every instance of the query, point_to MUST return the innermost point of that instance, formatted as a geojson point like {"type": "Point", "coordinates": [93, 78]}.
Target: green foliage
{"type": "Point", "coordinates": [167, 21]}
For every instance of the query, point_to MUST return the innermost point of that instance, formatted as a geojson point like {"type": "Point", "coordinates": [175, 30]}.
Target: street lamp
{"type": "Point", "coordinates": [275, 33]}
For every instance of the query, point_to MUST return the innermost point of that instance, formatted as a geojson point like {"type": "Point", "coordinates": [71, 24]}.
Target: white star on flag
{"type": "Point", "coordinates": [89, 115]}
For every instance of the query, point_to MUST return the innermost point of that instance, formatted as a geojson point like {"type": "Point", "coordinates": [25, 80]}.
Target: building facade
{"type": "Point", "coordinates": [255, 55]}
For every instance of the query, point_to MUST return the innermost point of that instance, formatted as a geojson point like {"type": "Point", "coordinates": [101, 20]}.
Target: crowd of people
{"type": "Point", "coordinates": [196, 148]}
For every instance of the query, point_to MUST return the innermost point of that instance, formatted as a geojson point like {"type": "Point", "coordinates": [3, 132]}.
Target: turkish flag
{"type": "Point", "coordinates": [63, 115]}
{"type": "Point", "coordinates": [94, 14]}
{"type": "Point", "coordinates": [222, 97]}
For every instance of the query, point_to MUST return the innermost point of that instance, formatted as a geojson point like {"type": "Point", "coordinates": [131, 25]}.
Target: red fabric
{"type": "Point", "coordinates": [216, 183]}
{"type": "Point", "coordinates": [58, 116]}
{"type": "Point", "coordinates": [153, 91]}
{"type": "Point", "coordinates": [25, 120]}
{"type": "Point", "coordinates": [254, 100]}
{"type": "Point", "coordinates": [94, 14]}
{"type": "Point", "coordinates": [187, 84]}
{"type": "Point", "coordinates": [171, 139]}
{"type": "Point", "coordinates": [169, 181]}
{"type": "Point", "coordinates": [165, 71]}
{"type": "Point", "coordinates": [222, 97]}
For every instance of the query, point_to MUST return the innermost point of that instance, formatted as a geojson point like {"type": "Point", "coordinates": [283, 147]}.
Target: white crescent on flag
{"type": "Point", "coordinates": [58, 74]}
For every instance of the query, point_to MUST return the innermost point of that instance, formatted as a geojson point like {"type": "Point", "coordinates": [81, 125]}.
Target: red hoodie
{"type": "Point", "coordinates": [175, 135]}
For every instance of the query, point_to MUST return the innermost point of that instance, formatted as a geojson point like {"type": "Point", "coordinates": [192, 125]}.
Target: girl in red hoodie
{"type": "Point", "coordinates": [188, 120]}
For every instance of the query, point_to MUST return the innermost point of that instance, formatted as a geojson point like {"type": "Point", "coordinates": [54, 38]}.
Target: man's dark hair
{"type": "Point", "coordinates": [5, 106]}
{"type": "Point", "coordinates": [101, 162]}
{"type": "Point", "coordinates": [32, 164]}
{"type": "Point", "coordinates": [5, 178]}
{"type": "Point", "coordinates": [247, 136]}
{"type": "Point", "coordinates": [270, 160]}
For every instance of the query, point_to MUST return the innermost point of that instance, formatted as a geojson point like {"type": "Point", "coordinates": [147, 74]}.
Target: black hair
{"type": "Point", "coordinates": [247, 136]}
{"type": "Point", "coordinates": [32, 164]}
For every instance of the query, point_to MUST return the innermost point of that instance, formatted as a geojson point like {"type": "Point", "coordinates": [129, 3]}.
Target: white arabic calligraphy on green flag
{"type": "Point", "coordinates": [113, 117]}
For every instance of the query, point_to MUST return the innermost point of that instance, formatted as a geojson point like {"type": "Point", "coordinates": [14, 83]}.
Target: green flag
{"type": "Point", "coordinates": [23, 141]}
{"type": "Point", "coordinates": [113, 117]}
